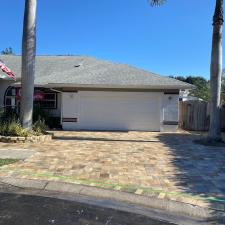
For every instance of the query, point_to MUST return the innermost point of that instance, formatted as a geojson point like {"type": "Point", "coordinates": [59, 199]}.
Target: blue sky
{"type": "Point", "coordinates": [174, 39]}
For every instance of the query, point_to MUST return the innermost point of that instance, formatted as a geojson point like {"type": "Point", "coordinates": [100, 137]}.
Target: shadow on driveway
{"type": "Point", "coordinates": [200, 169]}
{"type": "Point", "coordinates": [78, 138]}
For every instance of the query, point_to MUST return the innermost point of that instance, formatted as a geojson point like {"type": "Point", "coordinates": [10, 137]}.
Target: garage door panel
{"type": "Point", "coordinates": [119, 111]}
{"type": "Point", "coordinates": [116, 125]}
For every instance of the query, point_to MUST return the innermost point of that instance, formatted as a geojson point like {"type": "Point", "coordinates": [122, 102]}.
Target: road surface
{"type": "Point", "coordinates": [16, 209]}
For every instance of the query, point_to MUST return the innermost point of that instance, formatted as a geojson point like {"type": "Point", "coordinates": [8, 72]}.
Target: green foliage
{"type": "Point", "coordinates": [12, 128]}
{"type": "Point", "coordinates": [8, 115]}
{"type": "Point", "coordinates": [7, 51]}
{"type": "Point", "coordinates": [40, 127]}
{"type": "Point", "coordinates": [202, 85]}
{"type": "Point", "coordinates": [7, 161]}
{"type": "Point", "coordinates": [39, 114]}
{"type": "Point", "coordinates": [202, 89]}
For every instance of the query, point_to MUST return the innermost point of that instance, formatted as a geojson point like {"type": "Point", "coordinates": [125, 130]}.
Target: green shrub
{"type": "Point", "coordinates": [7, 115]}
{"type": "Point", "coordinates": [10, 124]}
{"type": "Point", "coordinates": [7, 161]}
{"type": "Point", "coordinates": [39, 113]}
{"type": "Point", "coordinates": [40, 127]}
{"type": "Point", "coordinates": [12, 128]}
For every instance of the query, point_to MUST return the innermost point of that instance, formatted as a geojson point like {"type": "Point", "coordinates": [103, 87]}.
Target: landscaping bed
{"type": "Point", "coordinates": [11, 130]}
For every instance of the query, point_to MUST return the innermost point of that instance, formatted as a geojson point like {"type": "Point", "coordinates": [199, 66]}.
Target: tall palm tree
{"type": "Point", "coordinates": [215, 70]}
{"type": "Point", "coordinates": [28, 63]}
{"type": "Point", "coordinates": [216, 73]}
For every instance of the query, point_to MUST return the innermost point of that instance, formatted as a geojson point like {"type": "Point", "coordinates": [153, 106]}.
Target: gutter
{"type": "Point", "coordinates": [106, 86]}
{"type": "Point", "coordinates": [152, 87]}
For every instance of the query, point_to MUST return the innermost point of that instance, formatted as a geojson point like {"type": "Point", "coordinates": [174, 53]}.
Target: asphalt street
{"type": "Point", "coordinates": [16, 209]}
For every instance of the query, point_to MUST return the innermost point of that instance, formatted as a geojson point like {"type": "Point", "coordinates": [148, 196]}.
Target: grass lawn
{"type": "Point", "coordinates": [7, 161]}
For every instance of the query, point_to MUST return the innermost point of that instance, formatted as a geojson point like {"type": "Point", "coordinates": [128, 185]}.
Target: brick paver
{"type": "Point", "coordinates": [169, 164]}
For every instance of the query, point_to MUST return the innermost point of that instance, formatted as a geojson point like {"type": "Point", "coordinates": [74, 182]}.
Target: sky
{"type": "Point", "coordinates": [174, 39]}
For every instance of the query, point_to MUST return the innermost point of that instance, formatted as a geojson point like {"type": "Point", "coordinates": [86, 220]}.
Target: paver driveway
{"type": "Point", "coordinates": [168, 165]}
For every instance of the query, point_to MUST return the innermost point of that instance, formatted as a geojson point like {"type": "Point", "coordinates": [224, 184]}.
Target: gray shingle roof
{"type": "Point", "coordinates": [87, 71]}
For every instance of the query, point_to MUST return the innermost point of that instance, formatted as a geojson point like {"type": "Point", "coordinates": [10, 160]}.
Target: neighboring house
{"type": "Point", "coordinates": [90, 94]}
{"type": "Point", "coordinates": [184, 96]}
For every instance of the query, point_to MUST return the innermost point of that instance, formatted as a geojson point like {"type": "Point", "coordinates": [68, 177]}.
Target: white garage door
{"type": "Point", "coordinates": [119, 111]}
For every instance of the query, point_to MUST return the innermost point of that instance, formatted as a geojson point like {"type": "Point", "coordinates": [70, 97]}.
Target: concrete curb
{"type": "Point", "coordinates": [170, 207]}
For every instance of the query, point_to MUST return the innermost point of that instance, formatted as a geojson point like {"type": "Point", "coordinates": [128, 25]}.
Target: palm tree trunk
{"type": "Point", "coordinates": [28, 63]}
{"type": "Point", "coordinates": [216, 73]}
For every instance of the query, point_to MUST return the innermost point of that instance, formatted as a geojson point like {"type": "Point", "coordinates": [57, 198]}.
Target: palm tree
{"type": "Point", "coordinates": [215, 71]}
{"type": "Point", "coordinates": [28, 63]}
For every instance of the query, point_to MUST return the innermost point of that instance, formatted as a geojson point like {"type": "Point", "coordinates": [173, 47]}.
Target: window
{"type": "Point", "coordinates": [10, 98]}
{"type": "Point", "coordinates": [49, 101]}
{"type": "Point", "coordinates": [46, 98]}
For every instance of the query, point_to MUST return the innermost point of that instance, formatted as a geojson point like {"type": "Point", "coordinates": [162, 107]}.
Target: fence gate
{"type": "Point", "coordinates": [194, 115]}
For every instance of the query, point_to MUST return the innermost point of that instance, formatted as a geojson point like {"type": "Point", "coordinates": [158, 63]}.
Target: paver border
{"type": "Point", "coordinates": [169, 206]}
{"type": "Point", "coordinates": [33, 139]}
{"type": "Point", "coordinates": [196, 200]}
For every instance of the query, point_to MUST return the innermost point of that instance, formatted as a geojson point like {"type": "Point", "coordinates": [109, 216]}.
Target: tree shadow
{"type": "Point", "coordinates": [200, 170]}
{"type": "Point", "coordinates": [88, 138]}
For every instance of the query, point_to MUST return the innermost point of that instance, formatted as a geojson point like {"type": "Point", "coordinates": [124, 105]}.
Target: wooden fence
{"type": "Point", "coordinates": [194, 115]}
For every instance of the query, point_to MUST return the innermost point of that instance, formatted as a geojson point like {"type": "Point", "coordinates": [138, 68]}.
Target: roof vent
{"type": "Point", "coordinates": [78, 65]}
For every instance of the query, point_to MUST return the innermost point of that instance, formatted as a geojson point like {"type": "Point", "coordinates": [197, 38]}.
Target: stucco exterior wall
{"type": "Point", "coordinates": [168, 109]}
{"type": "Point", "coordinates": [169, 112]}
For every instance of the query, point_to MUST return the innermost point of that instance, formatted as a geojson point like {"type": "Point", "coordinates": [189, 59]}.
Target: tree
{"type": "Point", "coordinates": [7, 51]}
{"type": "Point", "coordinates": [202, 85]}
{"type": "Point", "coordinates": [28, 63]}
{"type": "Point", "coordinates": [215, 71]}
{"type": "Point", "coordinates": [223, 88]}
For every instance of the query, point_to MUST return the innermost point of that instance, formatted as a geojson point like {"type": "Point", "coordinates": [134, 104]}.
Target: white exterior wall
{"type": "Point", "coordinates": [101, 110]}
{"type": "Point", "coordinates": [170, 112]}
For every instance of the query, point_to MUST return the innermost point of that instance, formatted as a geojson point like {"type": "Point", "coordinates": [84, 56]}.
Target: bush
{"type": "Point", "coordinates": [10, 124]}
{"type": "Point", "coordinates": [12, 128]}
{"type": "Point", "coordinates": [39, 114]}
{"type": "Point", "coordinates": [40, 127]}
{"type": "Point", "coordinates": [7, 115]}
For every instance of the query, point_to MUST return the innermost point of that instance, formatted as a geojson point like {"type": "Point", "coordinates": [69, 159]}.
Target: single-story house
{"type": "Point", "coordinates": [90, 94]}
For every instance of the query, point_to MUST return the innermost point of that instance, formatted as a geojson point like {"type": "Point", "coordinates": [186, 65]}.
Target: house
{"type": "Point", "coordinates": [185, 96]}
{"type": "Point", "coordinates": [90, 94]}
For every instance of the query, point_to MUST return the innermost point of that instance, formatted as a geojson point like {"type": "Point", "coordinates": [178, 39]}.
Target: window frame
{"type": "Point", "coordinates": [45, 91]}
{"type": "Point", "coordinates": [55, 100]}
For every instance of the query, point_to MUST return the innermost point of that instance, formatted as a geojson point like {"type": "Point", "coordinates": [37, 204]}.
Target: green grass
{"type": "Point", "coordinates": [7, 161]}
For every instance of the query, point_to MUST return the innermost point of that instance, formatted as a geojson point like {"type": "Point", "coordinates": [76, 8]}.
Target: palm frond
{"type": "Point", "coordinates": [156, 2]}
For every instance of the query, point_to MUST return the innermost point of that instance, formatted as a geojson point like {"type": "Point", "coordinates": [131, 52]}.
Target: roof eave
{"type": "Point", "coordinates": [152, 87]}
{"type": "Point", "coordinates": [140, 87]}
